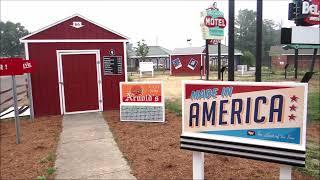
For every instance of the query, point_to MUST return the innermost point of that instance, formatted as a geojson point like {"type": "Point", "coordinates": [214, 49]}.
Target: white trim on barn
{"type": "Point", "coordinates": [125, 61]}
{"type": "Point", "coordinates": [72, 40]}
{"type": "Point", "coordinates": [47, 27]}
{"type": "Point", "coordinates": [60, 78]}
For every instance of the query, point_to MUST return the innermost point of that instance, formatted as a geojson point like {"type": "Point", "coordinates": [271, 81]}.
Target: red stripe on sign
{"type": "Point", "coordinates": [236, 88]}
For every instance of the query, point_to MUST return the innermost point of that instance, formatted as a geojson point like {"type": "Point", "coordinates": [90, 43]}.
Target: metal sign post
{"type": "Point", "coordinates": [219, 61]}
{"type": "Point", "coordinates": [259, 40]}
{"type": "Point", "coordinates": [285, 70]}
{"type": "Point", "coordinates": [231, 42]}
{"type": "Point", "coordinates": [207, 60]}
{"type": "Point", "coordinates": [198, 165]}
{"type": "Point", "coordinates": [285, 172]}
{"type": "Point", "coordinates": [296, 54]}
{"type": "Point", "coordinates": [16, 110]}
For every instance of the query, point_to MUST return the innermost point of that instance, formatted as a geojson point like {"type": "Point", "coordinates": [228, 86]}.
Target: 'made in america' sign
{"type": "Point", "coordinates": [263, 121]}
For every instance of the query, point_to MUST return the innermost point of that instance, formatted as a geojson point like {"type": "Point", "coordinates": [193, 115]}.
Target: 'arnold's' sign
{"type": "Point", "coordinates": [264, 121]}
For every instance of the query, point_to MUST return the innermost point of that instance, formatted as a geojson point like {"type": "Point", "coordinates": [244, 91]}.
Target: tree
{"type": "Point", "coordinates": [10, 35]}
{"type": "Point", "coordinates": [248, 59]}
{"type": "Point", "coordinates": [245, 31]}
{"type": "Point", "coordinates": [142, 49]}
{"type": "Point", "coordinates": [245, 34]}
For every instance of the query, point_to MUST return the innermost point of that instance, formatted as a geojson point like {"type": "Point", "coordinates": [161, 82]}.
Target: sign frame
{"type": "Point", "coordinates": [147, 104]}
{"type": "Point", "coordinates": [290, 154]}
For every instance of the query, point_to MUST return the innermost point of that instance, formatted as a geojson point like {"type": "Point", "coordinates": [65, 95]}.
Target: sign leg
{"type": "Point", "coordinates": [285, 172]}
{"type": "Point", "coordinates": [30, 97]}
{"type": "Point", "coordinates": [16, 111]}
{"type": "Point", "coordinates": [198, 165]}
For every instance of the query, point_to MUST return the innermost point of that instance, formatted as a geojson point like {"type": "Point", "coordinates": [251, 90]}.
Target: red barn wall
{"type": "Point", "coordinates": [278, 62]}
{"type": "Point", "coordinates": [304, 62]}
{"type": "Point", "coordinates": [44, 79]}
{"type": "Point", "coordinates": [184, 70]}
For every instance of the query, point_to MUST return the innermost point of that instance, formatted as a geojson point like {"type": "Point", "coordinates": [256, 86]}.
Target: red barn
{"type": "Point", "coordinates": [78, 67]}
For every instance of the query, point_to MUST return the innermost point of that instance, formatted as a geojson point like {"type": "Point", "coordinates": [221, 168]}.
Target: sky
{"type": "Point", "coordinates": [165, 23]}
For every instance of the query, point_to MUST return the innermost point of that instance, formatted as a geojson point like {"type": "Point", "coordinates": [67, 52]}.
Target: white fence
{"type": "Point", "coordinates": [6, 96]}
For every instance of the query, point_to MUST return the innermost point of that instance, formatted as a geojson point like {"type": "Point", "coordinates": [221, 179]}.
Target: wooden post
{"type": "Point", "coordinates": [29, 90]}
{"type": "Point", "coordinates": [16, 110]}
{"type": "Point", "coordinates": [198, 165]}
{"type": "Point", "coordinates": [157, 63]}
{"type": "Point", "coordinates": [231, 42]}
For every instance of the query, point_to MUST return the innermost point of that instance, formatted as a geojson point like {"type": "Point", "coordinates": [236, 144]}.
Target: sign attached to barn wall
{"type": "Point", "coordinates": [176, 63]}
{"type": "Point", "coordinates": [112, 65]}
{"type": "Point", "coordinates": [142, 101]}
{"type": "Point", "coordinates": [263, 121]}
{"type": "Point", "coordinates": [192, 64]}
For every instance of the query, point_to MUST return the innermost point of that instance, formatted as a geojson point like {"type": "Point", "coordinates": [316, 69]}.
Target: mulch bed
{"type": "Point", "coordinates": [153, 152]}
{"type": "Point", "coordinates": [35, 153]}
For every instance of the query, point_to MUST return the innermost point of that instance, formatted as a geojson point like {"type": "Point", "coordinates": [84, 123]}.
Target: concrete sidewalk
{"type": "Point", "coordinates": [87, 150]}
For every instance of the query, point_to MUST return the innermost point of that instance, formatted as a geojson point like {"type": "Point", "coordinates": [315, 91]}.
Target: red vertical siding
{"type": "Point", "coordinates": [185, 70]}
{"type": "Point", "coordinates": [80, 82]}
{"type": "Point", "coordinates": [45, 85]}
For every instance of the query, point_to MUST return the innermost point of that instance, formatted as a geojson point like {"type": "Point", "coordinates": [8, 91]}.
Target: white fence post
{"type": "Point", "coordinates": [198, 165]}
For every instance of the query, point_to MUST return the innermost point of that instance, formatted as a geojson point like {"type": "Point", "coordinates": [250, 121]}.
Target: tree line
{"type": "Point", "coordinates": [245, 38]}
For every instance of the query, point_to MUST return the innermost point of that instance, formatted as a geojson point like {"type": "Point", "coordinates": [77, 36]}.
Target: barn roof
{"type": "Point", "coordinates": [278, 51]}
{"type": "Point", "coordinates": [66, 31]}
{"type": "Point", "coordinates": [154, 51]}
{"type": "Point", "coordinates": [213, 50]}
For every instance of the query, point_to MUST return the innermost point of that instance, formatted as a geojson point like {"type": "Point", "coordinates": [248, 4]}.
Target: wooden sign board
{"type": "Point", "coordinates": [142, 101]}
{"type": "Point", "coordinates": [15, 66]}
{"type": "Point", "coordinates": [262, 121]}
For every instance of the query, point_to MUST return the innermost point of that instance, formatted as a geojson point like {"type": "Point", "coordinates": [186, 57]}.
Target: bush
{"type": "Point", "coordinates": [213, 68]}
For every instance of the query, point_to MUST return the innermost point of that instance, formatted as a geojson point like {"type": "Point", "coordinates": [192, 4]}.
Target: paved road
{"type": "Point", "coordinates": [87, 150]}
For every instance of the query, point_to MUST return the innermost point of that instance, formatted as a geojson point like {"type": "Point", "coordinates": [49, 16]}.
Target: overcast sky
{"type": "Point", "coordinates": [165, 23]}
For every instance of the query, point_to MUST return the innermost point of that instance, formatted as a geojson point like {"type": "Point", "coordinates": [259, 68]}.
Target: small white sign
{"type": "Point", "coordinates": [77, 24]}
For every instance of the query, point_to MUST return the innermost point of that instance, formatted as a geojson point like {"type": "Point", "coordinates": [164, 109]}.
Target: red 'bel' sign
{"type": "Point", "coordinates": [15, 66]}
{"type": "Point", "coordinates": [213, 22]}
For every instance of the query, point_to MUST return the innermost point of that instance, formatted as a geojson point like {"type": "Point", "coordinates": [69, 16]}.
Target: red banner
{"type": "Point", "coordinates": [15, 66]}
